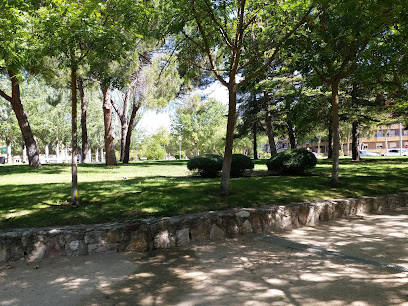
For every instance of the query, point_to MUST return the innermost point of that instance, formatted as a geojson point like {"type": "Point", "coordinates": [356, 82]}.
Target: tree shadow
{"type": "Point", "coordinates": [250, 271]}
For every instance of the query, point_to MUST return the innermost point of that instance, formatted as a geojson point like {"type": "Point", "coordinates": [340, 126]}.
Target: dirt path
{"type": "Point", "coordinates": [250, 270]}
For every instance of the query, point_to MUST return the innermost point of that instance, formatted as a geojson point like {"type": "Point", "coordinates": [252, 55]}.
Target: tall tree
{"type": "Point", "coordinates": [198, 123]}
{"type": "Point", "coordinates": [218, 37]}
{"type": "Point", "coordinates": [333, 46]}
{"type": "Point", "coordinates": [15, 56]}
{"type": "Point", "coordinates": [68, 30]}
{"type": "Point", "coordinates": [85, 156]}
{"type": "Point", "coordinates": [155, 83]}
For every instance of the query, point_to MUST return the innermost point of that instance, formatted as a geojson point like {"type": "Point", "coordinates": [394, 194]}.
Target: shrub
{"type": "Point", "coordinates": [208, 165]}
{"type": "Point", "coordinates": [153, 151]}
{"type": "Point", "coordinates": [183, 155]}
{"type": "Point", "coordinates": [297, 161]}
{"type": "Point", "coordinates": [240, 163]}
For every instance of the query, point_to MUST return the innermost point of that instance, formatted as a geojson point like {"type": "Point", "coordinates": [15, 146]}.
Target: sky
{"type": "Point", "coordinates": [152, 121]}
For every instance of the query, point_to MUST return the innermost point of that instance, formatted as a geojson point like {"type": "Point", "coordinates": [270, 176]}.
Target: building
{"type": "Point", "coordinates": [387, 137]}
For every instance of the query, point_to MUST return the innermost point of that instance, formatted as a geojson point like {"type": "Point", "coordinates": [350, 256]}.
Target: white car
{"type": "Point", "coordinates": [396, 152]}
{"type": "Point", "coordinates": [368, 153]}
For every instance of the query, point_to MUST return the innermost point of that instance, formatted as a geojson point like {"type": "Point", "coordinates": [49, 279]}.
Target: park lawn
{"type": "Point", "coordinates": [37, 197]}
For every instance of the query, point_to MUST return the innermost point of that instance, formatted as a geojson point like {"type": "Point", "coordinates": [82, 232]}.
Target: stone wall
{"type": "Point", "coordinates": [34, 244]}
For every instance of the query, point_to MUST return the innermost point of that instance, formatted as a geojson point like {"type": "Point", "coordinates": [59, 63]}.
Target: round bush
{"type": "Point", "coordinates": [240, 163]}
{"type": "Point", "coordinates": [297, 161]}
{"type": "Point", "coordinates": [207, 165]}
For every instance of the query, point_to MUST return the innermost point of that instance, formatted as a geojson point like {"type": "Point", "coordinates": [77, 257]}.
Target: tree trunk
{"type": "Point", "coordinates": [129, 133]}
{"type": "Point", "coordinates": [336, 134]}
{"type": "Point", "coordinates": [9, 155]}
{"type": "Point", "coordinates": [85, 144]}
{"type": "Point", "coordinates": [28, 137]}
{"type": "Point", "coordinates": [110, 156]}
{"type": "Point", "coordinates": [254, 132]}
{"type": "Point", "coordinates": [292, 139]}
{"type": "Point", "coordinates": [319, 140]}
{"type": "Point", "coordinates": [229, 139]}
{"type": "Point", "coordinates": [123, 121]}
{"type": "Point", "coordinates": [268, 123]}
{"type": "Point", "coordinates": [74, 139]}
{"type": "Point", "coordinates": [355, 150]}
{"type": "Point", "coordinates": [330, 142]}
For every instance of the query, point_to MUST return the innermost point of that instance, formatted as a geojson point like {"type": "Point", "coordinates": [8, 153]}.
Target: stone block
{"type": "Point", "coordinates": [232, 228]}
{"type": "Point", "coordinates": [256, 223]}
{"type": "Point", "coordinates": [55, 247]}
{"type": "Point", "coordinates": [38, 251]}
{"type": "Point", "coordinates": [217, 233]}
{"type": "Point", "coordinates": [138, 242]}
{"type": "Point", "coordinates": [115, 235]}
{"type": "Point", "coordinates": [201, 230]}
{"type": "Point", "coordinates": [183, 237]}
{"type": "Point", "coordinates": [246, 227]}
{"type": "Point", "coordinates": [243, 214]}
{"type": "Point", "coordinates": [164, 240]}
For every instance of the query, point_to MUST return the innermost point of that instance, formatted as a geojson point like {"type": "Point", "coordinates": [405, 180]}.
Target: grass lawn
{"type": "Point", "coordinates": [35, 197]}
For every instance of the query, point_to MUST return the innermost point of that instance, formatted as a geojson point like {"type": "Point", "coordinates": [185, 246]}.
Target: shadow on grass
{"type": "Point", "coordinates": [25, 169]}
{"type": "Point", "coordinates": [159, 196]}
{"type": "Point", "coordinates": [150, 195]}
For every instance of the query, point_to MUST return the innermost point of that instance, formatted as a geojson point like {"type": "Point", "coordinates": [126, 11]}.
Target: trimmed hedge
{"type": "Point", "coordinates": [297, 161]}
{"type": "Point", "coordinates": [208, 165]}
{"type": "Point", "coordinates": [240, 163]}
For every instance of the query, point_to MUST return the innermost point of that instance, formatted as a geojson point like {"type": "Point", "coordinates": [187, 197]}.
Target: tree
{"type": "Point", "coordinates": [219, 36]}
{"type": "Point", "coordinates": [198, 122]}
{"type": "Point", "coordinates": [250, 119]}
{"type": "Point", "coordinates": [84, 130]}
{"type": "Point", "coordinates": [93, 33]}
{"type": "Point", "coordinates": [9, 130]}
{"type": "Point", "coordinates": [15, 55]}
{"type": "Point", "coordinates": [333, 46]}
{"type": "Point", "coordinates": [155, 83]}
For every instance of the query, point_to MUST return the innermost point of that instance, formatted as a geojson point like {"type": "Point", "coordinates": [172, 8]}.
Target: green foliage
{"type": "Point", "coordinates": [183, 155]}
{"type": "Point", "coordinates": [297, 161]}
{"type": "Point", "coordinates": [153, 151]}
{"type": "Point", "coordinates": [240, 163]}
{"type": "Point", "coordinates": [201, 124]}
{"type": "Point", "coordinates": [207, 165]}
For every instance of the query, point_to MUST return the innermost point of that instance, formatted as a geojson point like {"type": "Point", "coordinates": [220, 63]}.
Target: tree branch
{"type": "Point", "coordinates": [220, 27]}
{"type": "Point", "coordinates": [342, 73]}
{"type": "Point", "coordinates": [116, 108]}
{"type": "Point", "coordinates": [320, 75]}
{"type": "Point", "coordinates": [6, 96]}
{"type": "Point", "coordinates": [206, 45]}
{"type": "Point", "coordinates": [278, 45]}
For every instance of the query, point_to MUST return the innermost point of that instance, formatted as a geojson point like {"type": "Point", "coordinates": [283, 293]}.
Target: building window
{"type": "Point", "coordinates": [380, 134]}
{"type": "Point", "coordinates": [379, 145]}
{"type": "Point", "coordinates": [391, 133]}
{"type": "Point", "coordinates": [405, 132]}
{"type": "Point", "coordinates": [393, 145]}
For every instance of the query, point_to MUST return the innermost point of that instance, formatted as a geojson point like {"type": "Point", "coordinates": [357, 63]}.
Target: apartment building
{"type": "Point", "coordinates": [385, 138]}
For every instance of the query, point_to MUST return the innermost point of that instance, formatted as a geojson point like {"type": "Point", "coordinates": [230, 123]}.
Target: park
{"type": "Point", "coordinates": [201, 152]}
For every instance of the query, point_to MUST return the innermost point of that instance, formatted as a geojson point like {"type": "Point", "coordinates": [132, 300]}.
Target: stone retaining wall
{"type": "Point", "coordinates": [36, 243]}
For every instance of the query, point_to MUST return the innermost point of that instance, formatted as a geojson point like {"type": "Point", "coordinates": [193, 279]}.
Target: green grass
{"type": "Point", "coordinates": [35, 197]}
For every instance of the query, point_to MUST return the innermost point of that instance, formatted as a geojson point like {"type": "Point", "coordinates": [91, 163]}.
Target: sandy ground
{"type": "Point", "coordinates": [250, 270]}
